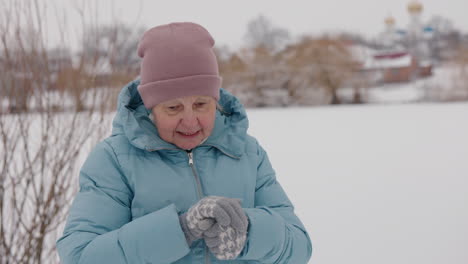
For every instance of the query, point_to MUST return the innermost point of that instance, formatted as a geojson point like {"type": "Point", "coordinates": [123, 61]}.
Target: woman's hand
{"type": "Point", "coordinates": [225, 242]}
{"type": "Point", "coordinates": [211, 210]}
{"type": "Point", "coordinates": [226, 238]}
{"type": "Point", "coordinates": [194, 231]}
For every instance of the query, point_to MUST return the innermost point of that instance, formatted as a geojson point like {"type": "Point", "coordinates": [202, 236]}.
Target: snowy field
{"type": "Point", "coordinates": [374, 183]}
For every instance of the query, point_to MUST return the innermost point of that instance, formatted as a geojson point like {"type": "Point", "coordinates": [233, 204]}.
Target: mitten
{"type": "Point", "coordinates": [194, 231]}
{"type": "Point", "coordinates": [225, 211]}
{"type": "Point", "coordinates": [225, 242]}
{"type": "Point", "coordinates": [210, 210]}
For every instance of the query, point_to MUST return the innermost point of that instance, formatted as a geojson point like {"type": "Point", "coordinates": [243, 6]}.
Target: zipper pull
{"type": "Point", "coordinates": [190, 156]}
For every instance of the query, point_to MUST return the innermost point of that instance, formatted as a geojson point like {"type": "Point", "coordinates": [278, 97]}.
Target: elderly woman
{"type": "Point", "coordinates": [180, 180]}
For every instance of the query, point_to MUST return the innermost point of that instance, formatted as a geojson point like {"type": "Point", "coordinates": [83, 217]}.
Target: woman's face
{"type": "Point", "coordinates": [185, 121]}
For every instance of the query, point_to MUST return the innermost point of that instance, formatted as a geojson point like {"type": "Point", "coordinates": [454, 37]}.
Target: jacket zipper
{"type": "Point", "coordinates": [199, 189]}
{"type": "Point", "coordinates": [197, 179]}
{"type": "Point", "coordinates": [200, 194]}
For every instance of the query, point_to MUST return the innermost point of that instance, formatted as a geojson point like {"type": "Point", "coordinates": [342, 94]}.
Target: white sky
{"type": "Point", "coordinates": [227, 20]}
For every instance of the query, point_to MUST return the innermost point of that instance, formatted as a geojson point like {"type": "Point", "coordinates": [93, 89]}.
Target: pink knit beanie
{"type": "Point", "coordinates": [178, 60]}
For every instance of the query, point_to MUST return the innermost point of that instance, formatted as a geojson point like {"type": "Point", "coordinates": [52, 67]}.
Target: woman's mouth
{"type": "Point", "coordinates": [188, 134]}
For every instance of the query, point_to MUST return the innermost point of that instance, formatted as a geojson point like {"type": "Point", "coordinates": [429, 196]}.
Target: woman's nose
{"type": "Point", "coordinates": [189, 119]}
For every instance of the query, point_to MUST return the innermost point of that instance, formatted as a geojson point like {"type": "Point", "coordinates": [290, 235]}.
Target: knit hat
{"type": "Point", "coordinates": [178, 60]}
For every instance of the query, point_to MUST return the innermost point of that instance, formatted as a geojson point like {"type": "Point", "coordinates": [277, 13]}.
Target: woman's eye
{"type": "Point", "coordinates": [173, 108]}
{"type": "Point", "coordinates": [200, 104]}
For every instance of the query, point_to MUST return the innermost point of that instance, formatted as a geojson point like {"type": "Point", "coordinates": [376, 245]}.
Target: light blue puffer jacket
{"type": "Point", "coordinates": [134, 185]}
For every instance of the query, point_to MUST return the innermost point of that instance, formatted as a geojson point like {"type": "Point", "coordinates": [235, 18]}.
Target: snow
{"type": "Point", "coordinates": [390, 93]}
{"type": "Point", "coordinates": [374, 183]}
{"type": "Point", "coordinates": [448, 83]}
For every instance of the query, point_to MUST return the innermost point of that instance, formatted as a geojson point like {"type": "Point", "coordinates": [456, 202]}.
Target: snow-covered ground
{"type": "Point", "coordinates": [374, 183]}
{"type": "Point", "coordinates": [448, 83]}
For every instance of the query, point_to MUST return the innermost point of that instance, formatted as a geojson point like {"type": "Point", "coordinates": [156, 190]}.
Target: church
{"type": "Point", "coordinates": [405, 52]}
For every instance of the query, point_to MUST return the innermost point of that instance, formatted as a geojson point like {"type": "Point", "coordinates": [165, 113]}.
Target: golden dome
{"type": "Point", "coordinates": [415, 7]}
{"type": "Point", "coordinates": [390, 20]}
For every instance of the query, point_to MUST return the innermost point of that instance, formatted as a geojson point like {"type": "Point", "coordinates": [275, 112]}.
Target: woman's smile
{"type": "Point", "coordinates": [188, 134]}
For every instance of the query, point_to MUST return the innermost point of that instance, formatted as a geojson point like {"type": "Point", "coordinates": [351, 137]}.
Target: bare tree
{"type": "Point", "coordinates": [445, 38]}
{"type": "Point", "coordinates": [323, 62]}
{"type": "Point", "coordinates": [42, 139]}
{"type": "Point", "coordinates": [262, 32]}
{"type": "Point", "coordinates": [257, 77]}
{"type": "Point", "coordinates": [116, 43]}
{"type": "Point", "coordinates": [305, 73]}
{"type": "Point", "coordinates": [452, 84]}
{"type": "Point", "coordinates": [460, 76]}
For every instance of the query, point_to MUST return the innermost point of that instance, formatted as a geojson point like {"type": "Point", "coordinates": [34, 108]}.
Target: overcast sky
{"type": "Point", "coordinates": [227, 20]}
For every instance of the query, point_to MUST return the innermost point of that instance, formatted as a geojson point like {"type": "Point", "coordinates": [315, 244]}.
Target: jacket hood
{"type": "Point", "coordinates": [132, 120]}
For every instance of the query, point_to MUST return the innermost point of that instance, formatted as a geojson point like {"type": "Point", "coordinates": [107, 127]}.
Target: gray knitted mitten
{"type": "Point", "coordinates": [194, 232]}
{"type": "Point", "coordinates": [225, 242]}
{"type": "Point", "coordinates": [210, 210]}
{"type": "Point", "coordinates": [225, 211]}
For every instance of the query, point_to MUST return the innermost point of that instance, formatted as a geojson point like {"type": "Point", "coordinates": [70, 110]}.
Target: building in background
{"type": "Point", "coordinates": [404, 54]}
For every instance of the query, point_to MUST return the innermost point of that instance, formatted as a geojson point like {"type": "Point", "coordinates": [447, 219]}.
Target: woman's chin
{"type": "Point", "coordinates": [188, 144]}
